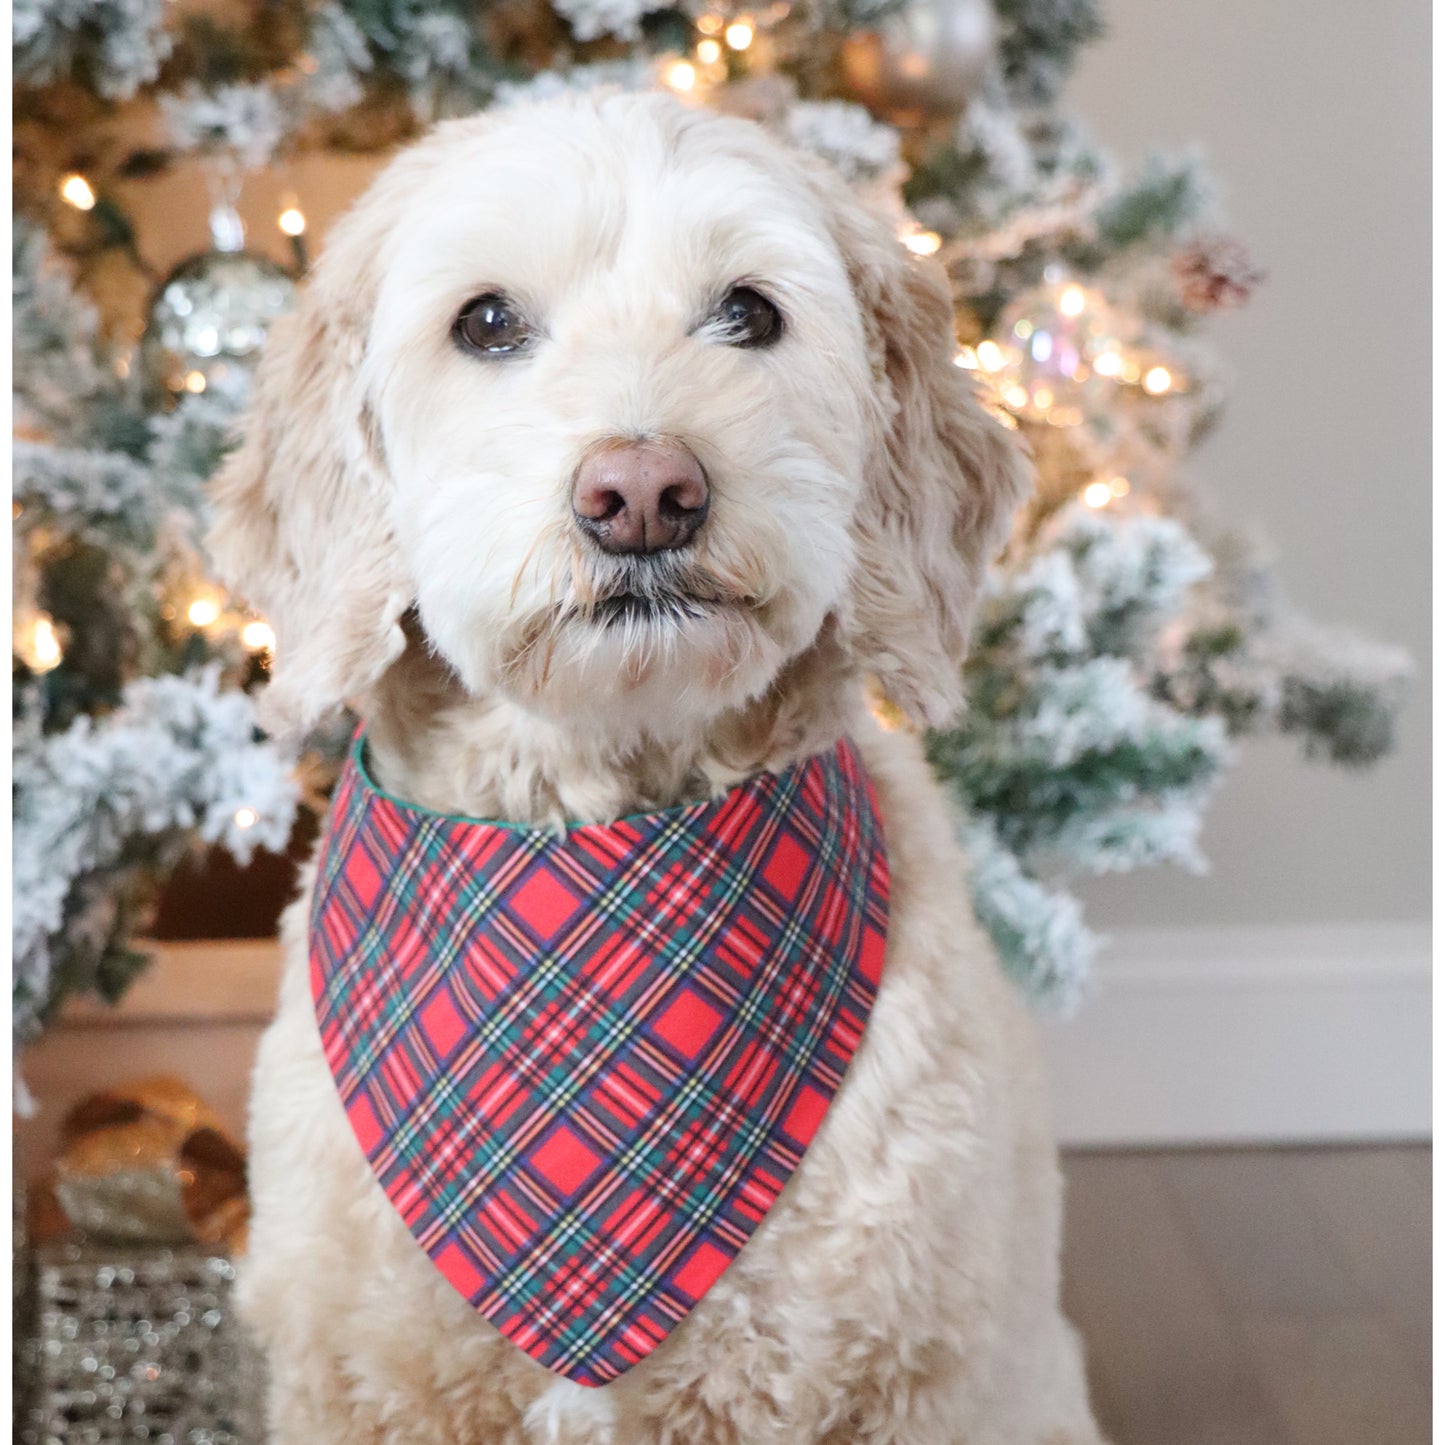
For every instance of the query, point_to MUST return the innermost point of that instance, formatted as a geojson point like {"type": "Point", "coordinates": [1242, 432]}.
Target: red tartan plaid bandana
{"type": "Point", "coordinates": [583, 1067]}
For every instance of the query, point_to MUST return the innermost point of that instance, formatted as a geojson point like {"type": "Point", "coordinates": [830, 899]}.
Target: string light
{"type": "Point", "coordinates": [1108, 363]}
{"type": "Point", "coordinates": [681, 75]}
{"type": "Point", "coordinates": [203, 611]}
{"type": "Point", "coordinates": [44, 646]}
{"type": "Point", "coordinates": [1119, 486]}
{"type": "Point", "coordinates": [1098, 494]}
{"type": "Point", "coordinates": [258, 636]}
{"type": "Point", "coordinates": [739, 35]}
{"type": "Point", "coordinates": [1071, 303]}
{"type": "Point", "coordinates": [291, 221]}
{"type": "Point", "coordinates": [76, 190]}
{"type": "Point", "coordinates": [886, 713]}
{"type": "Point", "coordinates": [710, 24]}
{"type": "Point", "coordinates": [195, 382]}
{"type": "Point", "coordinates": [709, 52]}
{"type": "Point", "coordinates": [967, 358]}
{"type": "Point", "coordinates": [1157, 380]}
{"type": "Point", "coordinates": [990, 357]}
{"type": "Point", "coordinates": [247, 817]}
{"type": "Point", "coordinates": [923, 243]}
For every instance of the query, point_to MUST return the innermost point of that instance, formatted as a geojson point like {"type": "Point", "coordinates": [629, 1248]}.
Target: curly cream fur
{"type": "Point", "coordinates": [401, 513]}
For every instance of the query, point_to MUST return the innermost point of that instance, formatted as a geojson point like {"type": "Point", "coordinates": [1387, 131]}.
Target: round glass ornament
{"type": "Point", "coordinates": [211, 315]}
{"type": "Point", "coordinates": [1057, 354]}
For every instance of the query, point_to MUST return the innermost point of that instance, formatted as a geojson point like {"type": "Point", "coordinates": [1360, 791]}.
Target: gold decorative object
{"type": "Point", "coordinates": [148, 1162]}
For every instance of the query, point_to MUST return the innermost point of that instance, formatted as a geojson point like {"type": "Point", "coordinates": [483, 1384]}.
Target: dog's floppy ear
{"type": "Point", "coordinates": [302, 524]}
{"type": "Point", "coordinates": [942, 477]}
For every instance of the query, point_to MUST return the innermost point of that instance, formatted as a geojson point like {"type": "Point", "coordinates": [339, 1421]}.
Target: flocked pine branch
{"type": "Point", "coordinates": [108, 805]}
{"type": "Point", "coordinates": [118, 46]}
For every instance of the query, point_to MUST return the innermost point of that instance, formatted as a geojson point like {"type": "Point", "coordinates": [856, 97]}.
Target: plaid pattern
{"type": "Point", "coordinates": [584, 1067]}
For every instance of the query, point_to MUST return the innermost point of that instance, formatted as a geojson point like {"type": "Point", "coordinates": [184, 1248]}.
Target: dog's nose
{"type": "Point", "coordinates": [645, 496]}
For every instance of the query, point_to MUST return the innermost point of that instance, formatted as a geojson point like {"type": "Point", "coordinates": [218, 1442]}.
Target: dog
{"type": "Point", "coordinates": [614, 455]}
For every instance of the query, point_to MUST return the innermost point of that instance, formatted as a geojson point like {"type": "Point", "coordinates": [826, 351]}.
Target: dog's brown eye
{"type": "Point", "coordinates": [491, 325]}
{"type": "Point", "coordinates": [747, 318]}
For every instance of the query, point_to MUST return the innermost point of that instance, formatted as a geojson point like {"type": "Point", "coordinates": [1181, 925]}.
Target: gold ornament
{"type": "Point", "coordinates": [923, 62]}
{"type": "Point", "coordinates": [148, 1162]}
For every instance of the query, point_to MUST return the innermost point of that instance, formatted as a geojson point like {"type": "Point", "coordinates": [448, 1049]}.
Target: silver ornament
{"type": "Point", "coordinates": [212, 313]}
{"type": "Point", "coordinates": [924, 61]}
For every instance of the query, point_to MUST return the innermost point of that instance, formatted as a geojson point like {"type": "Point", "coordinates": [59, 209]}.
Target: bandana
{"type": "Point", "coordinates": [584, 1066]}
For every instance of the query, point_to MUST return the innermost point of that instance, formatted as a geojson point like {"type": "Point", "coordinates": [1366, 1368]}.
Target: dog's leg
{"type": "Point", "coordinates": [307, 1405]}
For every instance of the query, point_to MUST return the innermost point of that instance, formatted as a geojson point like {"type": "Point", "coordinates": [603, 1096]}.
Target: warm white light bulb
{"type": "Point", "coordinates": [195, 382]}
{"type": "Point", "coordinates": [923, 243]}
{"type": "Point", "coordinates": [1098, 494]}
{"type": "Point", "coordinates": [258, 636]}
{"type": "Point", "coordinates": [1119, 486]}
{"type": "Point", "coordinates": [247, 817]}
{"type": "Point", "coordinates": [1157, 380]}
{"type": "Point", "coordinates": [291, 221]}
{"type": "Point", "coordinates": [1108, 363]}
{"type": "Point", "coordinates": [989, 355]}
{"type": "Point", "coordinates": [203, 611]}
{"type": "Point", "coordinates": [1071, 303]}
{"type": "Point", "coordinates": [739, 35]}
{"type": "Point", "coordinates": [44, 645]}
{"type": "Point", "coordinates": [709, 51]}
{"type": "Point", "coordinates": [681, 75]}
{"type": "Point", "coordinates": [76, 190]}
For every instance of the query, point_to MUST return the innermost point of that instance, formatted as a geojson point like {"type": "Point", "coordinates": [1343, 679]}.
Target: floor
{"type": "Point", "coordinates": [1253, 1297]}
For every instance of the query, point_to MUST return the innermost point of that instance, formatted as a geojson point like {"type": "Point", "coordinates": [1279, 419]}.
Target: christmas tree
{"type": "Point", "coordinates": [1126, 638]}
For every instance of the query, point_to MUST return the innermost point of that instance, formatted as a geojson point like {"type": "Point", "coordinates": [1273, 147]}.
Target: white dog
{"type": "Point", "coordinates": [611, 450]}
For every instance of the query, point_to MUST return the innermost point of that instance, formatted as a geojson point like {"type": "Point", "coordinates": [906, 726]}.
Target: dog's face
{"type": "Point", "coordinates": [634, 320]}
{"type": "Point", "coordinates": [628, 403]}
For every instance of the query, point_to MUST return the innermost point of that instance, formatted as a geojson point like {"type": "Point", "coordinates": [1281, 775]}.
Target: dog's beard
{"type": "Point", "coordinates": [657, 593]}
{"type": "Point", "coordinates": [626, 620]}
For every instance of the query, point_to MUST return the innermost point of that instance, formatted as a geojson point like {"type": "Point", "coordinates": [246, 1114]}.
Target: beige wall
{"type": "Point", "coordinates": [1315, 120]}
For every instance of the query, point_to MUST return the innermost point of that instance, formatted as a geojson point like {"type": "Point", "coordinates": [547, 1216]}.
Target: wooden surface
{"type": "Point", "coordinates": [1253, 1297]}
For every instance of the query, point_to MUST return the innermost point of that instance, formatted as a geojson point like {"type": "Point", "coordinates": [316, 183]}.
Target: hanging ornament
{"type": "Point", "coordinates": [1111, 399]}
{"type": "Point", "coordinates": [1214, 273]}
{"type": "Point", "coordinates": [211, 315]}
{"type": "Point", "coordinates": [925, 61]}
{"type": "Point", "coordinates": [1056, 354]}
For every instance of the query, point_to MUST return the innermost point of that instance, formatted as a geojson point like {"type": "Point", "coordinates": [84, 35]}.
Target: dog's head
{"type": "Point", "coordinates": [629, 403]}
